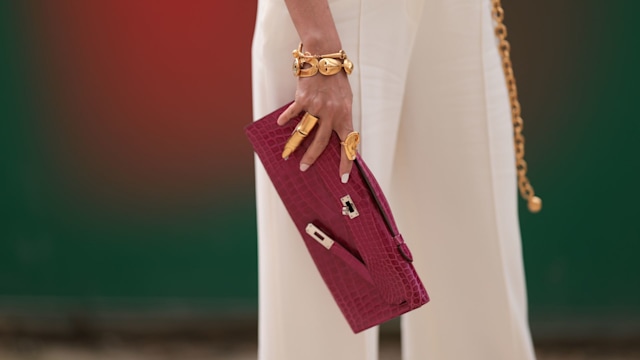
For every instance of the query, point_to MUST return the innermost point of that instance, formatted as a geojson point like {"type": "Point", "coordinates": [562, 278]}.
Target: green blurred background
{"type": "Point", "coordinates": [127, 184]}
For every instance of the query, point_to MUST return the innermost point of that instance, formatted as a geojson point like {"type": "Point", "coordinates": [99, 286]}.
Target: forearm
{"type": "Point", "coordinates": [315, 25]}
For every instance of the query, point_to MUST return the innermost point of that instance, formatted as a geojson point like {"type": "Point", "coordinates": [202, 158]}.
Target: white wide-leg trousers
{"type": "Point", "coordinates": [431, 104]}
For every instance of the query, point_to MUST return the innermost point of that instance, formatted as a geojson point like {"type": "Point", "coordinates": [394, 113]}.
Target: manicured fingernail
{"type": "Point", "coordinates": [304, 167]}
{"type": "Point", "coordinates": [345, 178]}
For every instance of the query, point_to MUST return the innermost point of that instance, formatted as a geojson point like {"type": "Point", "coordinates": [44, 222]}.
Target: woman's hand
{"type": "Point", "coordinates": [328, 98]}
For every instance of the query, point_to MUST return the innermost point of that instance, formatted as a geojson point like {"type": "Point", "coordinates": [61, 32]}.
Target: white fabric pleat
{"type": "Point", "coordinates": [431, 104]}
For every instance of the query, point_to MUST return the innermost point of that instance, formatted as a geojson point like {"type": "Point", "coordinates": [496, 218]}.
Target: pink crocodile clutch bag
{"type": "Point", "coordinates": [348, 228]}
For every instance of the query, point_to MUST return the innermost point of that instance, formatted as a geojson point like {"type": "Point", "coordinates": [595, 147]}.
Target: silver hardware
{"type": "Point", "coordinates": [319, 236]}
{"type": "Point", "coordinates": [349, 207]}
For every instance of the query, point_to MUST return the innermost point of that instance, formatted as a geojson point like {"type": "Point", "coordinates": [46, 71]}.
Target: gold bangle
{"type": "Point", "coordinates": [328, 64]}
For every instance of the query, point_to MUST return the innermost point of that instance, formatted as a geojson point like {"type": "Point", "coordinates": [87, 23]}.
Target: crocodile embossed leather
{"type": "Point", "coordinates": [348, 228]}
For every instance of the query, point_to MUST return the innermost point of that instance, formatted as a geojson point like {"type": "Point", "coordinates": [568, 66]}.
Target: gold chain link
{"type": "Point", "coordinates": [534, 203]}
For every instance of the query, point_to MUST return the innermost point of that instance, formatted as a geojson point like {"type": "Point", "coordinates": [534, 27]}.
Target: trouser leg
{"type": "Point", "coordinates": [454, 193]}
{"type": "Point", "coordinates": [298, 318]}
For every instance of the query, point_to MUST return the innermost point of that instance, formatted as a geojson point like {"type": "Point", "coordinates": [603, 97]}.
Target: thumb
{"type": "Point", "coordinates": [292, 111]}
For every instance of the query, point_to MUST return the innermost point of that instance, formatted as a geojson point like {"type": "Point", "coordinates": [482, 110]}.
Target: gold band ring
{"type": "Point", "coordinates": [299, 133]}
{"type": "Point", "coordinates": [350, 144]}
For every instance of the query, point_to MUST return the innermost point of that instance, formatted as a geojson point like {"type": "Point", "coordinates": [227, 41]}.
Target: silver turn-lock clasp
{"type": "Point", "coordinates": [349, 207]}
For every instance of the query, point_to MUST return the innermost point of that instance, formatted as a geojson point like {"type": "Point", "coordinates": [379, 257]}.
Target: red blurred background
{"type": "Point", "coordinates": [146, 100]}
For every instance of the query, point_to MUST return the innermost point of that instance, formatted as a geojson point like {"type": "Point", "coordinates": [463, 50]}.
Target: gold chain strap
{"type": "Point", "coordinates": [534, 203]}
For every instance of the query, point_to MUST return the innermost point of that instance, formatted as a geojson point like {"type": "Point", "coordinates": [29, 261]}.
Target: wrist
{"type": "Point", "coordinates": [322, 45]}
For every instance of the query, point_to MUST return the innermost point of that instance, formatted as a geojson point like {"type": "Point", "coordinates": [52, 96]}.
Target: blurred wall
{"type": "Point", "coordinates": [127, 181]}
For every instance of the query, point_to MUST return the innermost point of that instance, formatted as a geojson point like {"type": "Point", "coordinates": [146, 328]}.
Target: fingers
{"type": "Point", "coordinates": [345, 163]}
{"type": "Point", "coordinates": [317, 146]}
{"type": "Point", "coordinates": [330, 100]}
{"type": "Point", "coordinates": [292, 111]}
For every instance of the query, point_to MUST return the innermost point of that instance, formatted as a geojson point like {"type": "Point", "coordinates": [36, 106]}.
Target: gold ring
{"type": "Point", "coordinates": [299, 133]}
{"type": "Point", "coordinates": [350, 144]}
